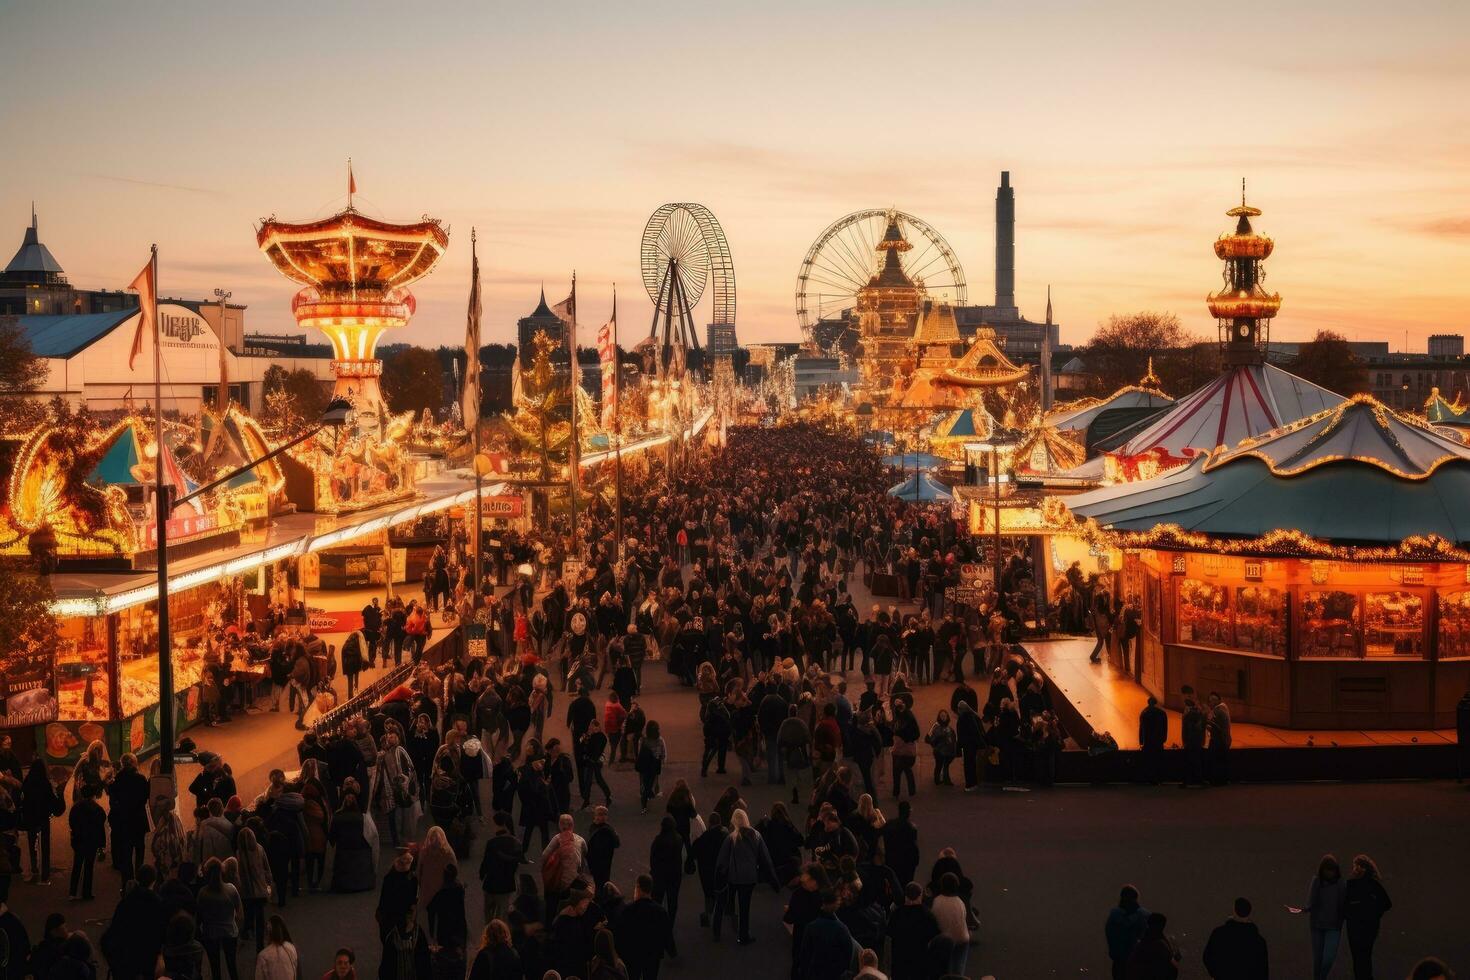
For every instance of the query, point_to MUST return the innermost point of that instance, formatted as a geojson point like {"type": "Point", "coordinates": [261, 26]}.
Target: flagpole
{"type": "Point", "coordinates": [475, 460]}
{"type": "Point", "coordinates": [572, 453]}
{"type": "Point", "coordinates": [617, 428]}
{"type": "Point", "coordinates": [161, 511]}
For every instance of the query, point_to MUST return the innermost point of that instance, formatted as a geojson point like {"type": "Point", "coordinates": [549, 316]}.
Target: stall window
{"type": "Point", "coordinates": [1393, 625]}
{"type": "Point", "coordinates": [137, 650]}
{"type": "Point", "coordinates": [1454, 624]}
{"type": "Point", "coordinates": [1260, 620]}
{"type": "Point", "coordinates": [1330, 624]}
{"type": "Point", "coordinates": [1151, 605]}
{"type": "Point", "coordinates": [83, 682]}
{"type": "Point", "coordinates": [1204, 616]}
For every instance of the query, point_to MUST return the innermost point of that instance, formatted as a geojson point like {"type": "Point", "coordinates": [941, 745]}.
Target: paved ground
{"type": "Point", "coordinates": [1047, 864]}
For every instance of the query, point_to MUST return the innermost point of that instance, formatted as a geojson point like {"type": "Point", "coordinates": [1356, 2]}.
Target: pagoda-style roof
{"type": "Point", "coordinates": [1246, 401]}
{"type": "Point", "coordinates": [33, 261]}
{"type": "Point", "coordinates": [1356, 474]}
{"type": "Point", "coordinates": [937, 325]}
{"type": "Point", "coordinates": [351, 250]}
{"type": "Point", "coordinates": [1441, 412]}
{"type": "Point", "coordinates": [984, 365]}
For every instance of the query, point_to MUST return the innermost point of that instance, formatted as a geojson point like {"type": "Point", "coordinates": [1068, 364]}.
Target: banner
{"type": "Point", "coordinates": [607, 355]}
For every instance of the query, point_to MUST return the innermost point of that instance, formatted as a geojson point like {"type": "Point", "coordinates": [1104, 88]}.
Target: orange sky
{"type": "Point", "coordinates": [556, 129]}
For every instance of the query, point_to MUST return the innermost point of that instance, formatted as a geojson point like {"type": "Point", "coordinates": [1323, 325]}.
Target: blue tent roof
{"type": "Point", "coordinates": [964, 424]}
{"type": "Point", "coordinates": [116, 465]}
{"type": "Point", "coordinates": [65, 336]}
{"type": "Point", "coordinates": [920, 487]}
{"type": "Point", "coordinates": [878, 436]}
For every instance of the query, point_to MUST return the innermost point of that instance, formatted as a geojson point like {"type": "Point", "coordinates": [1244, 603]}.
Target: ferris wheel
{"type": "Point", "coordinates": [845, 256]}
{"type": "Point", "coordinates": [683, 251]}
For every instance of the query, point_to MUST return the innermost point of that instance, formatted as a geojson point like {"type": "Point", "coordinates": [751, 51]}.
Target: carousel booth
{"type": "Point", "coordinates": [1316, 577]}
{"type": "Point", "coordinates": [81, 501]}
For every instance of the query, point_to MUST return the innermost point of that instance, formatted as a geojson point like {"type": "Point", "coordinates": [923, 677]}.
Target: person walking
{"type": "Point", "coordinates": [952, 914]}
{"type": "Point", "coordinates": [220, 913]}
{"type": "Point", "coordinates": [39, 802]}
{"type": "Point", "coordinates": [744, 862]}
{"type": "Point", "coordinates": [355, 658]}
{"type": "Point", "coordinates": [278, 959]}
{"type": "Point", "coordinates": [666, 865]}
{"type": "Point", "coordinates": [1192, 730]}
{"type": "Point", "coordinates": [1153, 734]}
{"type": "Point", "coordinates": [498, 868]}
{"type": "Point", "coordinates": [1123, 929]}
{"type": "Point", "coordinates": [644, 932]}
{"type": "Point", "coordinates": [1155, 957]}
{"type": "Point", "coordinates": [497, 958]}
{"type": "Point", "coordinates": [88, 836]}
{"type": "Point", "coordinates": [563, 864]}
{"type": "Point", "coordinates": [1365, 901]}
{"type": "Point", "coordinates": [1220, 738]}
{"type": "Point", "coordinates": [1325, 910]}
{"type": "Point", "coordinates": [602, 842]}
{"type": "Point", "coordinates": [1236, 950]}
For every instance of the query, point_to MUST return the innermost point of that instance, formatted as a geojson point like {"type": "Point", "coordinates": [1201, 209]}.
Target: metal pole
{"type": "Point", "coordinates": [161, 510]}
{"type": "Point", "coordinates": [995, 475]}
{"type": "Point", "coordinates": [475, 465]}
{"type": "Point", "coordinates": [574, 477]}
{"type": "Point", "coordinates": [617, 430]}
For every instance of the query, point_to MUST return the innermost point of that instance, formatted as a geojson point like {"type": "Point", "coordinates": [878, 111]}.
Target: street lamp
{"type": "Point", "coordinates": [336, 415]}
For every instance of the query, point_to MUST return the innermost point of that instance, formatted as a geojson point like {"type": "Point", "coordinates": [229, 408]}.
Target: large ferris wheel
{"type": "Point", "coordinates": [683, 251]}
{"type": "Point", "coordinates": [845, 256]}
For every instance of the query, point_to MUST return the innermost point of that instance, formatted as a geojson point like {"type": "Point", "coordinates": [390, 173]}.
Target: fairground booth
{"type": "Point", "coordinates": [1316, 577]}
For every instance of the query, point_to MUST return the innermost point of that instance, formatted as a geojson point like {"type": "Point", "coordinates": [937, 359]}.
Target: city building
{"type": "Point", "coordinates": [1446, 345]}
{"type": "Point", "coordinates": [34, 283]}
{"type": "Point", "coordinates": [720, 338]}
{"type": "Point", "coordinates": [541, 320]}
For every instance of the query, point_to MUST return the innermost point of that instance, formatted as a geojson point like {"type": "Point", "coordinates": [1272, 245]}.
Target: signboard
{"type": "Point", "coordinates": [963, 594]}
{"type": "Point", "coordinates": [322, 621]}
{"type": "Point", "coordinates": [504, 506]}
{"type": "Point", "coordinates": [1178, 565]}
{"type": "Point", "coordinates": [1253, 571]}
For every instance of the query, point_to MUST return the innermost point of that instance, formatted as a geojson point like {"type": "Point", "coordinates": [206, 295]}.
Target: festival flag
{"type": "Point", "coordinates": [516, 394]}
{"type": "Point", "coordinates": [470, 397]}
{"type": "Point", "coordinates": [351, 183]}
{"type": "Point", "coordinates": [145, 285]}
{"type": "Point", "coordinates": [607, 355]}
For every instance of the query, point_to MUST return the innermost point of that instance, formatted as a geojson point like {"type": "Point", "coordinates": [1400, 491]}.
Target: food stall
{"type": "Point", "coordinates": [1316, 578]}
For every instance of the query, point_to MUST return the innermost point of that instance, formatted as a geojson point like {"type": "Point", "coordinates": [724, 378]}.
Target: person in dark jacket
{"type": "Point", "coordinates": [827, 951]}
{"type": "Point", "coordinates": [1155, 957]}
{"type": "Point", "coordinates": [128, 817]}
{"type": "Point", "coordinates": [354, 659]}
{"type": "Point", "coordinates": [1192, 732]}
{"type": "Point", "coordinates": [1365, 901]}
{"type": "Point", "coordinates": [970, 738]}
{"type": "Point", "coordinates": [1153, 733]}
{"type": "Point", "coordinates": [744, 861]}
{"type": "Point", "coordinates": [1236, 950]}
{"type": "Point", "coordinates": [666, 866]}
{"type": "Point", "coordinates": [901, 844]}
{"type": "Point", "coordinates": [399, 894]}
{"type": "Point", "coordinates": [133, 938]}
{"type": "Point", "coordinates": [705, 849]}
{"type": "Point", "coordinates": [88, 836]}
{"type": "Point", "coordinates": [602, 842]}
{"type": "Point", "coordinates": [498, 868]}
{"type": "Point", "coordinates": [911, 928]}
{"type": "Point", "coordinates": [497, 958]}
{"type": "Point", "coordinates": [1123, 929]}
{"type": "Point", "coordinates": [643, 931]}
{"type": "Point", "coordinates": [405, 950]}
{"type": "Point", "coordinates": [39, 802]}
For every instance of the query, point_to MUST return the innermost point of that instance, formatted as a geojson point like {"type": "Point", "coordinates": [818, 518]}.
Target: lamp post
{"type": "Point", "coordinates": [336, 415]}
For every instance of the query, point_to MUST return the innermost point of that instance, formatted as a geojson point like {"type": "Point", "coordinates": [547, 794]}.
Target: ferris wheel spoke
{"type": "Point", "coordinates": [860, 268]}
{"type": "Point", "coordinates": [838, 279]}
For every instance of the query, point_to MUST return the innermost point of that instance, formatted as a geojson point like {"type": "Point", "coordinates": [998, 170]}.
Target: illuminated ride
{"type": "Point", "coordinates": [355, 272]}
{"type": "Point", "coordinates": [874, 249]}
{"type": "Point", "coordinates": [684, 250]}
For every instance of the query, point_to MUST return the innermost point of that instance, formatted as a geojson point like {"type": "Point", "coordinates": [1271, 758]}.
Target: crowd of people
{"type": "Point", "coordinates": [735, 578]}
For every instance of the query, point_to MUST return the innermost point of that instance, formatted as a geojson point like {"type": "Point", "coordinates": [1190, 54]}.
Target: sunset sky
{"type": "Point", "coordinates": [556, 128]}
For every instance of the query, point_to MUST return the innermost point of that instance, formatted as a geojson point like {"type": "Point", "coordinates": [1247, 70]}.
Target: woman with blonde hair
{"type": "Point", "coordinates": [743, 863]}
{"type": "Point", "coordinates": [435, 855]}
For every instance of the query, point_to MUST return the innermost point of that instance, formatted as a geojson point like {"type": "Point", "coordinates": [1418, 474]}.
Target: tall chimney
{"type": "Point", "coordinates": [1005, 243]}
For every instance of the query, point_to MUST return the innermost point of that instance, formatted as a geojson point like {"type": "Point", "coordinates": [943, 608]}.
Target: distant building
{"type": "Point", "coordinates": [1405, 381]}
{"type": "Point", "coordinates": [34, 283]}
{"type": "Point", "coordinates": [541, 320]}
{"type": "Point", "coordinates": [816, 374]}
{"type": "Point", "coordinates": [720, 338]}
{"type": "Point", "coordinates": [1447, 345]}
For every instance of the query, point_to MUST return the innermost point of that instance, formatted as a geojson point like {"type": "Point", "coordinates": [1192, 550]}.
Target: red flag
{"type": "Point", "coordinates": [147, 306]}
{"type": "Point", "coordinates": [351, 180]}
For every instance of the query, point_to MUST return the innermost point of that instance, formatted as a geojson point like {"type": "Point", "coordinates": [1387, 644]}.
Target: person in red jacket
{"type": "Point", "coordinates": [613, 716]}
{"type": "Point", "coordinates": [827, 740]}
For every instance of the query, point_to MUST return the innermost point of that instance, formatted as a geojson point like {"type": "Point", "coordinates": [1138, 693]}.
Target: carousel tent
{"type": "Point", "coordinates": [921, 488]}
{"type": "Point", "coordinates": [1096, 418]}
{"type": "Point", "coordinates": [1354, 474]}
{"type": "Point", "coordinates": [1246, 401]}
{"type": "Point", "coordinates": [1454, 415]}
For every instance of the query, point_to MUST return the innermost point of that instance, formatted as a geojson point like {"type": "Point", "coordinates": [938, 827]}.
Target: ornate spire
{"type": "Point", "coordinates": [1243, 307]}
